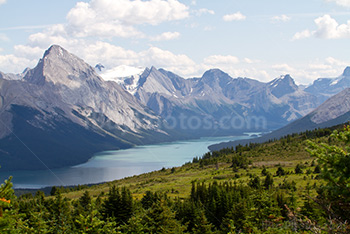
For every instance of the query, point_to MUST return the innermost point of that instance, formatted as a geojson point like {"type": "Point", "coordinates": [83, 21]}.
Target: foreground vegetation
{"type": "Point", "coordinates": [298, 184]}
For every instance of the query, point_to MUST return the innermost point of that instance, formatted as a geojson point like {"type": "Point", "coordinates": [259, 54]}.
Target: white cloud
{"type": "Point", "coordinates": [335, 62]}
{"type": "Point", "coordinates": [283, 18]}
{"type": "Point", "coordinates": [180, 64]}
{"type": "Point", "coordinates": [235, 67]}
{"type": "Point", "coordinates": [307, 72]}
{"type": "Point", "coordinates": [118, 18]}
{"type": "Point", "coordinates": [283, 68]}
{"type": "Point", "coordinates": [166, 36]}
{"type": "Point", "coordinates": [234, 17]}
{"type": "Point", "coordinates": [327, 28]}
{"type": "Point", "coordinates": [2, 2]}
{"type": "Point", "coordinates": [250, 61]}
{"type": "Point", "coordinates": [301, 35]}
{"type": "Point", "coordinates": [12, 63]}
{"type": "Point", "coordinates": [3, 37]}
{"type": "Point", "coordinates": [203, 11]}
{"type": "Point", "coordinates": [28, 52]}
{"type": "Point", "coordinates": [215, 60]}
{"type": "Point", "coordinates": [345, 3]}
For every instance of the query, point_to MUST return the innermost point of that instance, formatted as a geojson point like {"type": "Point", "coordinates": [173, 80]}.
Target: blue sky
{"type": "Point", "coordinates": [245, 38]}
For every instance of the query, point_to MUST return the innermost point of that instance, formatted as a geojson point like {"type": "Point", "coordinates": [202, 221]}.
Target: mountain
{"type": "Point", "coordinates": [324, 88]}
{"type": "Point", "coordinates": [334, 111]}
{"type": "Point", "coordinates": [11, 76]}
{"type": "Point", "coordinates": [62, 112]}
{"type": "Point", "coordinates": [217, 101]}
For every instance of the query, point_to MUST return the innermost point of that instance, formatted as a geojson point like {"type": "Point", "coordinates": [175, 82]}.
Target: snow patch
{"type": "Point", "coordinates": [336, 81]}
{"type": "Point", "coordinates": [121, 72]}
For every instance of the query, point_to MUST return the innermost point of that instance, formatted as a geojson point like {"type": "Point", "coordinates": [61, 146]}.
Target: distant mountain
{"type": "Point", "coordinates": [228, 105]}
{"type": "Point", "coordinates": [324, 88]}
{"type": "Point", "coordinates": [62, 112]}
{"type": "Point", "coordinates": [334, 111]}
{"type": "Point", "coordinates": [11, 76]}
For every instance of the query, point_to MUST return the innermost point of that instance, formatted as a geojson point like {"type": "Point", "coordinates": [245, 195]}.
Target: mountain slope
{"type": "Point", "coordinates": [62, 112]}
{"type": "Point", "coordinates": [220, 102]}
{"type": "Point", "coordinates": [335, 111]}
{"type": "Point", "coordinates": [324, 88]}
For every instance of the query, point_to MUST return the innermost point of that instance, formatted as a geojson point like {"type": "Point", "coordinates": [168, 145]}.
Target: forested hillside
{"type": "Point", "coordinates": [298, 184]}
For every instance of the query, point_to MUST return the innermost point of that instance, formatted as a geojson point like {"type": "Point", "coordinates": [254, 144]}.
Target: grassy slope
{"type": "Point", "coordinates": [286, 152]}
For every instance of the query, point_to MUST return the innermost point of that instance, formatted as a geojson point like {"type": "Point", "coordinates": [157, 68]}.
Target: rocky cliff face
{"type": "Point", "coordinates": [62, 112]}
{"type": "Point", "coordinates": [218, 96]}
{"type": "Point", "coordinates": [325, 88]}
{"type": "Point", "coordinates": [334, 111]}
{"type": "Point", "coordinates": [333, 108]}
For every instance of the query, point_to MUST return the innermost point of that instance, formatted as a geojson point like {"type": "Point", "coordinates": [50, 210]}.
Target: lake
{"type": "Point", "coordinates": [111, 165]}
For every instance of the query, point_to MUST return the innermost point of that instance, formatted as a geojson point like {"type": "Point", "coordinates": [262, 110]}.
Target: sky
{"type": "Point", "coordinates": [244, 38]}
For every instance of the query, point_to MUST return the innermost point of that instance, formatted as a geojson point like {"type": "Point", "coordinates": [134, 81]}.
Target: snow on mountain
{"type": "Point", "coordinates": [121, 72]}
{"type": "Point", "coordinates": [216, 95]}
{"type": "Point", "coordinates": [324, 88]}
{"type": "Point", "coordinates": [126, 76]}
{"type": "Point", "coordinates": [74, 110]}
{"type": "Point", "coordinates": [64, 104]}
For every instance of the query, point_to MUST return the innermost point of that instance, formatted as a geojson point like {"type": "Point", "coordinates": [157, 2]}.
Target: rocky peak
{"type": "Point", "coordinates": [346, 71]}
{"type": "Point", "coordinates": [283, 85]}
{"type": "Point", "coordinates": [334, 107]}
{"type": "Point", "coordinates": [58, 66]}
{"type": "Point", "coordinates": [215, 77]}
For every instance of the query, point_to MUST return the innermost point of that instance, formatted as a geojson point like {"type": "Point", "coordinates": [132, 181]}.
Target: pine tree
{"type": "Point", "coordinates": [268, 183]}
{"type": "Point", "coordinates": [160, 219]}
{"type": "Point", "coordinates": [85, 201]}
{"type": "Point", "coordinates": [335, 163]}
{"type": "Point", "coordinates": [118, 205]}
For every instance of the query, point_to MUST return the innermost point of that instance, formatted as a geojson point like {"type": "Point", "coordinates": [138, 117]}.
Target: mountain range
{"type": "Point", "coordinates": [334, 111]}
{"type": "Point", "coordinates": [63, 111]}
{"type": "Point", "coordinates": [228, 105]}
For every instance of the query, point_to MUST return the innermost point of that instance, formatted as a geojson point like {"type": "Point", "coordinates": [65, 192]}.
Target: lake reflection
{"type": "Point", "coordinates": [112, 165]}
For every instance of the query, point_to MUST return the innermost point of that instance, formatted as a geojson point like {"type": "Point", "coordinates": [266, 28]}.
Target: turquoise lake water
{"type": "Point", "coordinates": [112, 165]}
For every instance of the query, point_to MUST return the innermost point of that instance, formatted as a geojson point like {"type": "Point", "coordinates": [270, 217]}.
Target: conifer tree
{"type": "Point", "coordinates": [335, 163]}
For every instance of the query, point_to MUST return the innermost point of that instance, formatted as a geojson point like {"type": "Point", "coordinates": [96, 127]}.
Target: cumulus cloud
{"type": "Point", "coordinates": [180, 64]}
{"type": "Point", "coordinates": [14, 63]}
{"type": "Point", "coordinates": [166, 36]}
{"type": "Point", "coordinates": [301, 35]}
{"type": "Point", "coordinates": [283, 68]}
{"type": "Point", "coordinates": [327, 28]}
{"type": "Point", "coordinates": [250, 61]}
{"type": "Point", "coordinates": [117, 18]}
{"type": "Point", "coordinates": [111, 56]}
{"type": "Point", "coordinates": [236, 67]}
{"type": "Point", "coordinates": [215, 60]}
{"type": "Point", "coordinates": [234, 17]}
{"type": "Point", "coordinates": [283, 18]}
{"type": "Point", "coordinates": [203, 11]}
{"type": "Point", "coordinates": [345, 3]}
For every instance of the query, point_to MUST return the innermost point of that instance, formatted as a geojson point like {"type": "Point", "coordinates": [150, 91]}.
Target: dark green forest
{"type": "Point", "coordinates": [269, 200]}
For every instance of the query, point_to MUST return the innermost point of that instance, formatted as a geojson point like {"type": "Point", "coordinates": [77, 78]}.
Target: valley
{"type": "Point", "coordinates": [62, 112]}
